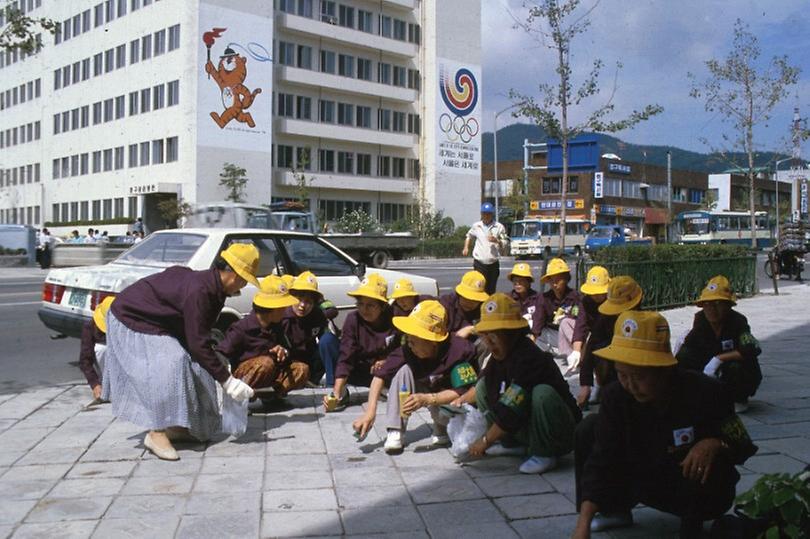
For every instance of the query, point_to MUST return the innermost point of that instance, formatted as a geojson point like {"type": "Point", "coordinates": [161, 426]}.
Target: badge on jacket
{"type": "Point", "coordinates": [684, 436]}
{"type": "Point", "coordinates": [728, 345]}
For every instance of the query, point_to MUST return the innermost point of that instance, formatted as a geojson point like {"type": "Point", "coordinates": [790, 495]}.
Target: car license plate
{"type": "Point", "coordinates": [78, 298]}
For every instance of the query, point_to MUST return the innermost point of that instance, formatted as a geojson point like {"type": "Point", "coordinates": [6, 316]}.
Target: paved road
{"type": "Point", "coordinates": [30, 358]}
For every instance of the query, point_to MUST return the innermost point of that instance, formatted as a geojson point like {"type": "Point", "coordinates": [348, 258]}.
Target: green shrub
{"type": "Point", "coordinates": [667, 252]}
{"type": "Point", "coordinates": [783, 501]}
{"type": "Point", "coordinates": [98, 222]}
{"type": "Point", "coordinates": [439, 248]}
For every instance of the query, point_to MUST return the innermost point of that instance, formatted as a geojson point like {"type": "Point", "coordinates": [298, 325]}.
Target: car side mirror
{"type": "Point", "coordinates": [359, 270]}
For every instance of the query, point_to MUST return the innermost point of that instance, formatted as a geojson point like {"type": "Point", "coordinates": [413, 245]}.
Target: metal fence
{"type": "Point", "coordinates": [679, 282]}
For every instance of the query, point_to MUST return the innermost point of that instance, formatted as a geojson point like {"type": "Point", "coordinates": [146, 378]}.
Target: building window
{"type": "Point", "coordinates": [414, 124]}
{"type": "Point", "coordinates": [119, 158]}
{"type": "Point", "coordinates": [109, 10]}
{"type": "Point", "coordinates": [386, 26]}
{"type": "Point", "coordinates": [144, 157]}
{"type": "Point", "coordinates": [304, 108]}
{"type": "Point", "coordinates": [97, 113]}
{"type": "Point", "coordinates": [96, 161]}
{"type": "Point", "coordinates": [302, 158]}
{"type": "Point", "coordinates": [285, 106]}
{"type": "Point", "coordinates": [146, 47]}
{"type": "Point", "coordinates": [400, 76]}
{"type": "Point", "coordinates": [363, 116]}
{"type": "Point", "coordinates": [57, 79]}
{"type": "Point", "coordinates": [398, 167]}
{"type": "Point", "coordinates": [363, 69]}
{"type": "Point", "coordinates": [365, 21]}
{"type": "Point", "coordinates": [400, 30]}
{"type": "Point", "coordinates": [85, 69]}
{"type": "Point", "coordinates": [134, 51]}
{"type": "Point", "coordinates": [346, 65]}
{"type": "Point", "coordinates": [172, 149]}
{"type": "Point", "coordinates": [54, 170]}
{"type": "Point", "coordinates": [158, 97]}
{"type": "Point", "coordinates": [328, 12]}
{"type": "Point", "coordinates": [108, 110]}
{"type": "Point", "coordinates": [132, 202]}
{"type": "Point", "coordinates": [157, 152]}
{"type": "Point", "coordinates": [305, 8]}
{"type": "Point", "coordinates": [160, 42]}
{"type": "Point", "coordinates": [345, 114]}
{"type": "Point", "coordinates": [327, 112]}
{"type": "Point", "coordinates": [108, 160]}
{"type": "Point", "coordinates": [345, 162]}
{"type": "Point", "coordinates": [326, 160]}
{"type": "Point", "coordinates": [399, 122]}
{"type": "Point", "coordinates": [84, 213]}
{"type": "Point", "coordinates": [304, 57]}
{"type": "Point", "coordinates": [120, 56]}
{"type": "Point", "coordinates": [133, 103]}
{"type": "Point", "coordinates": [146, 101]}
{"type": "Point", "coordinates": [98, 64]}
{"type": "Point", "coordinates": [287, 6]}
{"type": "Point", "coordinates": [174, 92]}
{"type": "Point", "coordinates": [174, 37]}
{"type": "Point", "coordinates": [284, 156]}
{"type": "Point", "coordinates": [109, 60]}
{"type": "Point", "coordinates": [286, 53]}
{"type": "Point", "coordinates": [613, 187]}
{"type": "Point", "coordinates": [96, 210]}
{"type": "Point", "coordinates": [55, 213]}
{"type": "Point", "coordinates": [414, 33]}
{"type": "Point", "coordinates": [120, 107]}
{"type": "Point", "coordinates": [98, 15]}
{"type": "Point", "coordinates": [364, 164]}
{"type": "Point", "coordinates": [383, 165]}
{"type": "Point", "coordinates": [119, 207]}
{"type": "Point", "coordinates": [346, 16]}
{"type": "Point", "coordinates": [133, 155]}
{"type": "Point", "coordinates": [135, 5]}
{"type": "Point", "coordinates": [107, 205]}
{"type": "Point", "coordinates": [384, 120]}
{"type": "Point", "coordinates": [327, 62]}
{"type": "Point", "coordinates": [384, 73]}
{"type": "Point", "coordinates": [631, 189]}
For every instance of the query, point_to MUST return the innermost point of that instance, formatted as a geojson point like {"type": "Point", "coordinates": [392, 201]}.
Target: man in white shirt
{"type": "Point", "coordinates": [91, 236]}
{"type": "Point", "coordinates": [490, 238]}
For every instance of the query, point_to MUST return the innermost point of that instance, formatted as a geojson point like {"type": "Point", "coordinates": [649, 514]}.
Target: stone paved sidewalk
{"type": "Point", "coordinates": [70, 472]}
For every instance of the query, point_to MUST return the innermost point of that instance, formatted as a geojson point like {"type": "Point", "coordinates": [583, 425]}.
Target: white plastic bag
{"type": "Point", "coordinates": [234, 415]}
{"type": "Point", "coordinates": [464, 429]}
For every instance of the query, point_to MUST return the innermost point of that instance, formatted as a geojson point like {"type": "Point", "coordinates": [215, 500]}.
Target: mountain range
{"type": "Point", "coordinates": [511, 137]}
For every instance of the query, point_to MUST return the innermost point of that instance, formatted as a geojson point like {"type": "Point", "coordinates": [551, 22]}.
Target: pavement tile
{"type": "Point", "coordinates": [483, 530]}
{"type": "Point", "coordinates": [26, 489]}
{"type": "Point", "coordinates": [221, 525]}
{"type": "Point", "coordinates": [83, 488]}
{"type": "Point", "coordinates": [157, 467]}
{"type": "Point", "coordinates": [228, 483]}
{"type": "Point", "coordinates": [774, 464]}
{"type": "Point", "coordinates": [296, 445]}
{"type": "Point", "coordinates": [299, 500]}
{"type": "Point", "coordinates": [223, 502]}
{"type": "Point", "coordinates": [39, 471]}
{"type": "Point", "coordinates": [108, 453]}
{"type": "Point", "coordinates": [152, 506]}
{"type": "Point", "coordinates": [137, 528]}
{"type": "Point", "coordinates": [305, 523]}
{"type": "Point", "coordinates": [414, 475]}
{"type": "Point", "coordinates": [171, 484]}
{"type": "Point", "coordinates": [7, 458]}
{"type": "Point", "coordinates": [797, 448]}
{"type": "Point", "coordinates": [444, 515]}
{"type": "Point", "coordinates": [547, 528]}
{"type": "Point", "coordinates": [293, 462]}
{"type": "Point", "coordinates": [44, 454]}
{"type": "Point", "coordinates": [512, 485]}
{"type": "Point", "coordinates": [367, 496]}
{"type": "Point", "coordinates": [57, 509]}
{"type": "Point", "coordinates": [535, 505]}
{"type": "Point", "coordinates": [648, 523]}
{"type": "Point", "coordinates": [493, 466]}
{"type": "Point", "coordinates": [297, 480]}
{"type": "Point", "coordinates": [441, 490]}
{"type": "Point", "coordinates": [22, 439]}
{"type": "Point", "coordinates": [79, 529]}
{"type": "Point", "coordinates": [102, 469]}
{"type": "Point", "coordinates": [348, 477]}
{"type": "Point", "coordinates": [357, 460]}
{"type": "Point", "coordinates": [236, 465]}
{"type": "Point", "coordinates": [13, 511]}
{"type": "Point", "coordinates": [7, 423]}
{"type": "Point", "coordinates": [235, 449]}
{"type": "Point", "coordinates": [404, 535]}
{"type": "Point", "coordinates": [403, 519]}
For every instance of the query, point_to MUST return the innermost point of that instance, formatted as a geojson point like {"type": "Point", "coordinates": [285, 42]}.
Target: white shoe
{"type": "Point", "coordinates": [440, 440]}
{"type": "Point", "coordinates": [536, 465]}
{"type": "Point", "coordinates": [163, 453]}
{"type": "Point", "coordinates": [499, 450]}
{"type": "Point", "coordinates": [393, 441]}
{"type": "Point", "coordinates": [602, 522]}
{"type": "Point", "coordinates": [740, 407]}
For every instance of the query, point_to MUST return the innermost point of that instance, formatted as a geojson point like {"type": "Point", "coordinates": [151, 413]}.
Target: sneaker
{"type": "Point", "coordinates": [609, 521]}
{"type": "Point", "coordinates": [537, 465]}
{"type": "Point", "coordinates": [740, 407]}
{"type": "Point", "coordinates": [440, 440]}
{"type": "Point", "coordinates": [499, 450]}
{"type": "Point", "coordinates": [393, 441]}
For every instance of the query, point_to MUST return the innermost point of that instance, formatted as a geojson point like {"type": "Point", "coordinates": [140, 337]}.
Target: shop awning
{"type": "Point", "coordinates": [655, 216]}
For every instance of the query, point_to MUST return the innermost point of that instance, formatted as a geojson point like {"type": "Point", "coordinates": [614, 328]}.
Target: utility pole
{"type": "Point", "coordinates": [669, 195]}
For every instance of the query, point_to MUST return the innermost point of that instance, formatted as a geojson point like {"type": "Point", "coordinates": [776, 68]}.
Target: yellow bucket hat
{"type": "Point", "coordinates": [521, 270]}
{"type": "Point", "coordinates": [373, 286]}
{"type": "Point", "coordinates": [472, 286]}
{"type": "Point", "coordinates": [623, 294]}
{"type": "Point", "coordinates": [428, 320]}
{"type": "Point", "coordinates": [596, 282]}
{"type": "Point", "coordinates": [500, 311]}
{"type": "Point", "coordinates": [288, 280]}
{"type": "Point", "coordinates": [555, 267]}
{"type": "Point", "coordinates": [306, 282]}
{"type": "Point", "coordinates": [640, 338]}
{"type": "Point", "coordinates": [273, 294]}
{"type": "Point", "coordinates": [403, 289]}
{"type": "Point", "coordinates": [717, 289]}
{"type": "Point", "coordinates": [100, 313]}
{"type": "Point", "coordinates": [243, 258]}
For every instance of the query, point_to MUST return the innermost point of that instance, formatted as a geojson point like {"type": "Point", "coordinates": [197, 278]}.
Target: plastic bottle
{"type": "Point", "coordinates": [403, 396]}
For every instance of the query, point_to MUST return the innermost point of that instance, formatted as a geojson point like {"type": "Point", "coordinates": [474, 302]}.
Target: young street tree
{"type": "Point", "coordinates": [745, 94]}
{"type": "Point", "coordinates": [233, 179]}
{"type": "Point", "coordinates": [20, 31]}
{"type": "Point", "coordinates": [555, 24]}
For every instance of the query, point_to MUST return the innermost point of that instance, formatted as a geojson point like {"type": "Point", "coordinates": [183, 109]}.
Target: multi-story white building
{"type": "Point", "coordinates": [376, 103]}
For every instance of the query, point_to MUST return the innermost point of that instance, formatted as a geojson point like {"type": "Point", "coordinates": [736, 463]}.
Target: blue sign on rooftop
{"type": "Point", "coordinates": [583, 154]}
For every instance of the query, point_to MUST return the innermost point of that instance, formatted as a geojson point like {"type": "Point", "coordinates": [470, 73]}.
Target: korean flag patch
{"type": "Point", "coordinates": [683, 436]}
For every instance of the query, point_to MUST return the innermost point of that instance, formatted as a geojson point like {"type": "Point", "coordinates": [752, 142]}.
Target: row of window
{"type": "Point", "coordinates": [24, 6]}
{"type": "Point", "coordinates": [20, 135]}
{"type": "Point", "coordinates": [20, 216]}
{"type": "Point", "coordinates": [107, 208]}
{"type": "Point", "coordinates": [17, 55]}
{"type": "Point", "coordinates": [18, 95]}
{"type": "Point", "coordinates": [387, 212]}
{"type": "Point", "coordinates": [614, 187]}
{"type": "Point", "coordinates": [345, 162]}
{"type": "Point", "coordinates": [153, 152]}
{"type": "Point", "coordinates": [140, 49]}
{"type": "Point", "coordinates": [342, 15]}
{"type": "Point", "coordinates": [346, 65]}
{"type": "Point", "coordinates": [102, 13]}
{"type": "Point", "coordinates": [114, 108]}
{"type": "Point", "coordinates": [20, 175]}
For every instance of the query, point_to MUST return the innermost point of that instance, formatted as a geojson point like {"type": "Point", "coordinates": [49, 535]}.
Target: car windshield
{"type": "Point", "coordinates": [697, 226]}
{"type": "Point", "coordinates": [599, 232]}
{"type": "Point", "coordinates": [167, 249]}
{"type": "Point", "coordinates": [310, 254]}
{"type": "Point", "coordinates": [530, 229]}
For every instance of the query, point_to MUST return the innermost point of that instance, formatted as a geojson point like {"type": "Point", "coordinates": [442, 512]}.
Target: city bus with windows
{"type": "Point", "coordinates": [540, 236]}
{"type": "Point", "coordinates": [722, 227]}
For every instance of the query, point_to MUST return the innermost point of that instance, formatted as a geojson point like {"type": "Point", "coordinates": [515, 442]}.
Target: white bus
{"type": "Point", "coordinates": [722, 227]}
{"type": "Point", "coordinates": [535, 237]}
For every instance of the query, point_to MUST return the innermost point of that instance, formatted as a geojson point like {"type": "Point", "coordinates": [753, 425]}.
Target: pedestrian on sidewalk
{"type": "Point", "coordinates": [161, 367]}
{"type": "Point", "coordinates": [305, 323]}
{"type": "Point", "coordinates": [256, 346]}
{"type": "Point", "coordinates": [367, 337]}
{"type": "Point", "coordinates": [45, 247]}
{"type": "Point", "coordinates": [93, 347]}
{"type": "Point", "coordinates": [721, 345]}
{"type": "Point", "coordinates": [664, 437]}
{"type": "Point", "coordinates": [432, 368]}
{"type": "Point", "coordinates": [521, 392]}
{"type": "Point", "coordinates": [490, 239]}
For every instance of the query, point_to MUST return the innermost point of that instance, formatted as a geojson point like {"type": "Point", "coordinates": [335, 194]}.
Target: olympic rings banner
{"type": "Point", "coordinates": [458, 129]}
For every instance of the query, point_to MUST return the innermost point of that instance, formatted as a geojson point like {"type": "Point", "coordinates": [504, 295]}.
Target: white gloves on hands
{"type": "Point", "coordinates": [237, 389]}
{"type": "Point", "coordinates": [573, 362]}
{"type": "Point", "coordinates": [712, 366]}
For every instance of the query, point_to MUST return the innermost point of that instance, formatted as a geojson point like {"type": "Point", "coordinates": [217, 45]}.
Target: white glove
{"type": "Point", "coordinates": [712, 366]}
{"type": "Point", "coordinates": [573, 361]}
{"type": "Point", "coordinates": [237, 389]}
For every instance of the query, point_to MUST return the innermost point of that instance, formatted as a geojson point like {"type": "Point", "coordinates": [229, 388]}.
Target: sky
{"type": "Point", "coordinates": [658, 42]}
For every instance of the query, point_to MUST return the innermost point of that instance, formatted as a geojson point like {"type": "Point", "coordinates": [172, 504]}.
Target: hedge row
{"type": "Point", "coordinates": [100, 222]}
{"type": "Point", "coordinates": [10, 251]}
{"type": "Point", "coordinates": [668, 252]}
{"type": "Point", "coordinates": [441, 248]}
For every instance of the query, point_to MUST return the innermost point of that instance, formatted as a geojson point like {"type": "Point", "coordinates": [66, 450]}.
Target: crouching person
{"type": "Point", "coordinates": [432, 368]}
{"type": "Point", "coordinates": [160, 368]}
{"type": "Point", "coordinates": [521, 392]}
{"type": "Point", "coordinates": [256, 346]}
{"type": "Point", "coordinates": [664, 437]}
{"type": "Point", "coordinates": [305, 322]}
{"type": "Point", "coordinates": [93, 346]}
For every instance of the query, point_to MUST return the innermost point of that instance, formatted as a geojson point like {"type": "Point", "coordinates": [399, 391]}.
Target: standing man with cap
{"type": "Point", "coordinates": [665, 437]}
{"type": "Point", "coordinates": [490, 239]}
{"type": "Point", "coordinates": [160, 366]}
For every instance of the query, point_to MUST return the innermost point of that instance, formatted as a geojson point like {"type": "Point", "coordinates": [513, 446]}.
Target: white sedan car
{"type": "Point", "coordinates": [69, 295]}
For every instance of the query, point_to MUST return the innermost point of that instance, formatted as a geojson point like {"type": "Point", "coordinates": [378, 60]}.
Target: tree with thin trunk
{"type": "Point", "coordinates": [233, 179]}
{"type": "Point", "coordinates": [555, 24]}
{"type": "Point", "coordinates": [745, 93]}
{"type": "Point", "coordinates": [19, 33]}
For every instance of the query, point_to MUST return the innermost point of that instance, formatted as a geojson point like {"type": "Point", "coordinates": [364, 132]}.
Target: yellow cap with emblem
{"type": "Point", "coordinates": [428, 320]}
{"type": "Point", "coordinates": [596, 282]}
{"type": "Point", "coordinates": [273, 294]}
{"type": "Point", "coordinates": [556, 266]}
{"type": "Point", "coordinates": [500, 311]}
{"type": "Point", "coordinates": [640, 338]}
{"type": "Point", "coordinates": [100, 313]}
{"type": "Point", "coordinates": [373, 286]}
{"type": "Point", "coordinates": [521, 269]}
{"type": "Point", "coordinates": [306, 282]}
{"type": "Point", "coordinates": [403, 288]}
{"type": "Point", "coordinates": [623, 294]}
{"type": "Point", "coordinates": [717, 289]}
{"type": "Point", "coordinates": [243, 258]}
{"type": "Point", "coordinates": [472, 286]}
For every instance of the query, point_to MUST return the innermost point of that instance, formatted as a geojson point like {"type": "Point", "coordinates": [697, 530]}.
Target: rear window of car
{"type": "Point", "coordinates": [167, 249]}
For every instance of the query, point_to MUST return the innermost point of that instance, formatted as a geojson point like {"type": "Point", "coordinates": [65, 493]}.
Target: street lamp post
{"type": "Point", "coordinates": [496, 183]}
